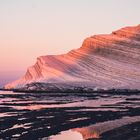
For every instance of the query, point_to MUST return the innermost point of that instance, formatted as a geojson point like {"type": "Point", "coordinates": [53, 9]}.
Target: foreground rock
{"type": "Point", "coordinates": [36, 116]}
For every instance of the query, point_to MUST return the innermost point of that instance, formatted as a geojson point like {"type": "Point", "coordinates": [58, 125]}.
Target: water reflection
{"type": "Point", "coordinates": [66, 135]}
{"type": "Point", "coordinates": [93, 131]}
{"type": "Point", "coordinates": [40, 115]}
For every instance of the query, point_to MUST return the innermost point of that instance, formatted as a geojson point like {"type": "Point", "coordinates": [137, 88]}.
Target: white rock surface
{"type": "Point", "coordinates": [105, 61]}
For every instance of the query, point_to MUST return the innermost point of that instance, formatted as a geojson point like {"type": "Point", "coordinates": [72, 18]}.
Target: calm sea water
{"type": "Point", "coordinates": [53, 116]}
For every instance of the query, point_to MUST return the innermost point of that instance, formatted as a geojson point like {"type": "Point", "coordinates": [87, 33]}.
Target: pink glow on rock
{"type": "Point", "coordinates": [105, 60]}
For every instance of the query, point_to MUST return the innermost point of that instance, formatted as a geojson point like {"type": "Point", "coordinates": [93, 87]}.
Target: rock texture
{"type": "Point", "coordinates": [105, 61]}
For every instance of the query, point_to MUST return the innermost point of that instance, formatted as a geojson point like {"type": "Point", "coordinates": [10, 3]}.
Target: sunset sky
{"type": "Point", "coordinates": [31, 28]}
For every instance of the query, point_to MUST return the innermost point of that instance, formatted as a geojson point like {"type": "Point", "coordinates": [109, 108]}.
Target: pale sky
{"type": "Point", "coordinates": [31, 28]}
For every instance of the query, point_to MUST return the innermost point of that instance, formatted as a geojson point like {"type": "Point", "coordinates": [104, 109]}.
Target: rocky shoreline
{"type": "Point", "coordinates": [40, 115]}
{"type": "Point", "coordinates": [62, 88]}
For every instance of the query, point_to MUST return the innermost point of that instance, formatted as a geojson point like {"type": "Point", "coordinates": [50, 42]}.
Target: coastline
{"type": "Point", "coordinates": [37, 116]}
{"type": "Point", "coordinates": [80, 90]}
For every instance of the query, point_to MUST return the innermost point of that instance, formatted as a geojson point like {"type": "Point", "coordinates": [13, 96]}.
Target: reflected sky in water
{"type": "Point", "coordinates": [56, 115]}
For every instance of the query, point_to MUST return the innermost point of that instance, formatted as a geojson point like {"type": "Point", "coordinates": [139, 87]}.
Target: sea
{"type": "Point", "coordinates": [69, 116]}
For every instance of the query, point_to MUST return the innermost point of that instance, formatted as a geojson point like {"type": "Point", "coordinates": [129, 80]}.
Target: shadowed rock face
{"type": "Point", "coordinates": [106, 61]}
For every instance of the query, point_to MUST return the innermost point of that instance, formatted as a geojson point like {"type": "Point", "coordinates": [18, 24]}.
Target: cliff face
{"type": "Point", "coordinates": [106, 61]}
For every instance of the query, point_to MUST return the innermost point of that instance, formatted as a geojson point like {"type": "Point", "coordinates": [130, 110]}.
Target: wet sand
{"type": "Point", "coordinates": [43, 115]}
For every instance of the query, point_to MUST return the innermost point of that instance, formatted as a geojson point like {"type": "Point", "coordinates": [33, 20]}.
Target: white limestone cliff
{"type": "Point", "coordinates": [105, 61]}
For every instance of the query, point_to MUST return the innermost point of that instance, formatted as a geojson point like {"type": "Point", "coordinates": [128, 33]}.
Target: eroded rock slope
{"type": "Point", "coordinates": [105, 61]}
